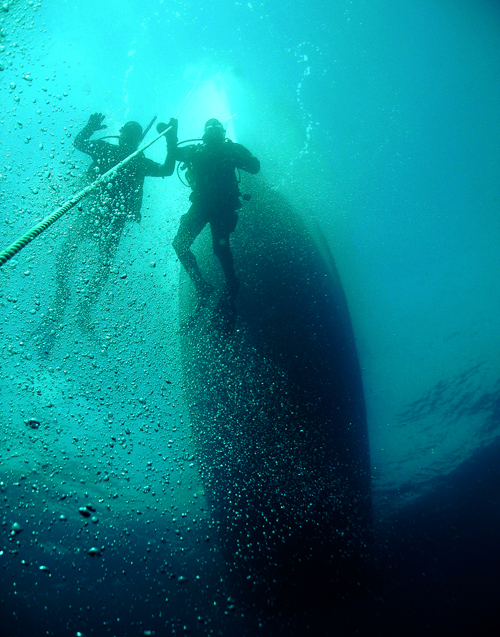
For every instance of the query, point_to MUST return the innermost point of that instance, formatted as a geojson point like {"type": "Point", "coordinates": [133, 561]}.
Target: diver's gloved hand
{"type": "Point", "coordinates": [95, 122]}
{"type": "Point", "coordinates": [171, 135]}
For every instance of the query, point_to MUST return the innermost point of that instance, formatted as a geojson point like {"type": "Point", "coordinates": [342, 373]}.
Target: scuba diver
{"type": "Point", "coordinates": [103, 220]}
{"type": "Point", "coordinates": [215, 199]}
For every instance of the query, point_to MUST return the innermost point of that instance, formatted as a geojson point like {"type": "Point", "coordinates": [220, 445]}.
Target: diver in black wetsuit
{"type": "Point", "coordinates": [215, 199]}
{"type": "Point", "coordinates": [104, 217]}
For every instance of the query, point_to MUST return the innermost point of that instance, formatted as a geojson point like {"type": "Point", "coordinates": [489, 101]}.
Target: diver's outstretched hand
{"type": "Point", "coordinates": [96, 122]}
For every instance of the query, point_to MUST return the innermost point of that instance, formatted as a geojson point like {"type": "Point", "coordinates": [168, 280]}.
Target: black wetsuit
{"type": "Point", "coordinates": [123, 198]}
{"type": "Point", "coordinates": [105, 213]}
{"type": "Point", "coordinates": [215, 199]}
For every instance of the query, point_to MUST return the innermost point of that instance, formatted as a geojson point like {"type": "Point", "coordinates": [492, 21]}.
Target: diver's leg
{"type": "Point", "coordinates": [107, 245]}
{"type": "Point", "coordinates": [222, 250]}
{"type": "Point", "coordinates": [107, 252]}
{"type": "Point", "coordinates": [64, 266]}
{"type": "Point", "coordinates": [192, 223]}
{"type": "Point", "coordinates": [46, 334]}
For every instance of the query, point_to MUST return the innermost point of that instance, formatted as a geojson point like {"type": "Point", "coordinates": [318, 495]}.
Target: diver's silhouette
{"type": "Point", "coordinates": [103, 218]}
{"type": "Point", "coordinates": [215, 199]}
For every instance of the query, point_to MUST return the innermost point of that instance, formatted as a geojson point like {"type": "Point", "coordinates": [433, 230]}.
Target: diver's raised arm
{"type": "Point", "coordinates": [94, 124]}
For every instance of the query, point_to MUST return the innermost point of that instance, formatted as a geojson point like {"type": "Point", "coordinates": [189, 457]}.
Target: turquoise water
{"type": "Point", "coordinates": [377, 121]}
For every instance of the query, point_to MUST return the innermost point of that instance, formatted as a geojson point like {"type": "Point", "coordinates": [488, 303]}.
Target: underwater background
{"type": "Point", "coordinates": [379, 122]}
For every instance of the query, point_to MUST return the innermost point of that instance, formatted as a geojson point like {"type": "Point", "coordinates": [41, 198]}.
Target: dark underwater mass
{"type": "Point", "coordinates": [250, 383]}
{"type": "Point", "coordinates": [277, 408]}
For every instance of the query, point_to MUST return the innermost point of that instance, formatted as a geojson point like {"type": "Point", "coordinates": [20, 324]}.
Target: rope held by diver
{"type": "Point", "coordinates": [23, 241]}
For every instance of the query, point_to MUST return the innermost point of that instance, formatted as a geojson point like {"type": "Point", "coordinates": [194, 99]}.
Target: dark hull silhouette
{"type": "Point", "coordinates": [274, 390]}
